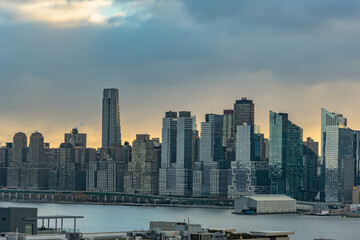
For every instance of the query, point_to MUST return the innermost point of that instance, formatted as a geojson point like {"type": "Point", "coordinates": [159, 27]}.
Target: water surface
{"type": "Point", "coordinates": [107, 218]}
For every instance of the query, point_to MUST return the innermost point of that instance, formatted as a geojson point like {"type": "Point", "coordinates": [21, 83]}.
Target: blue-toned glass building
{"type": "Point", "coordinates": [339, 153]}
{"type": "Point", "coordinates": [286, 156]}
{"type": "Point", "coordinates": [311, 164]}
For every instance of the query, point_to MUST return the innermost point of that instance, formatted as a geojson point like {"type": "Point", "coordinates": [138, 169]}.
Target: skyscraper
{"type": "Point", "coordinates": [169, 132]}
{"type": "Point", "coordinates": [168, 154]}
{"type": "Point", "coordinates": [19, 148]}
{"type": "Point", "coordinates": [175, 175]}
{"type": "Point", "coordinates": [36, 149]}
{"type": "Point", "coordinates": [111, 132]}
{"type": "Point", "coordinates": [286, 156]}
{"type": "Point", "coordinates": [211, 138]}
{"type": "Point", "coordinates": [243, 113]}
{"type": "Point", "coordinates": [228, 126]}
{"type": "Point", "coordinates": [248, 174]}
{"type": "Point", "coordinates": [185, 127]}
{"type": "Point", "coordinates": [211, 151]}
{"type": "Point", "coordinates": [337, 146]}
{"type": "Point", "coordinates": [142, 175]}
{"type": "Point", "coordinates": [311, 164]}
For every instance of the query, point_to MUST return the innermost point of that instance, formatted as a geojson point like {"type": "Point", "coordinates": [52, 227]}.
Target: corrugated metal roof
{"type": "Point", "coordinates": [270, 197]}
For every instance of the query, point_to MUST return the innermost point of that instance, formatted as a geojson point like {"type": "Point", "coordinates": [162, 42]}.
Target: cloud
{"type": "Point", "coordinates": [62, 12]}
{"type": "Point", "coordinates": [172, 54]}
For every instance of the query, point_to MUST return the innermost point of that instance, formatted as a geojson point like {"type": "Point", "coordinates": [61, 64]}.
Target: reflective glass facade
{"type": "Point", "coordinates": [286, 156]}
{"type": "Point", "coordinates": [337, 144]}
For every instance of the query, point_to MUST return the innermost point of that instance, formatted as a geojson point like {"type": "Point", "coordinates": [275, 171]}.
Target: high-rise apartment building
{"type": "Point", "coordinates": [248, 173]}
{"type": "Point", "coordinates": [175, 175]}
{"type": "Point", "coordinates": [142, 175]}
{"type": "Point", "coordinates": [185, 128]}
{"type": "Point", "coordinates": [337, 146]}
{"type": "Point", "coordinates": [211, 148]}
{"type": "Point", "coordinates": [228, 126]}
{"type": "Point", "coordinates": [286, 156]}
{"type": "Point", "coordinates": [36, 149]}
{"type": "Point", "coordinates": [168, 154]}
{"type": "Point", "coordinates": [211, 152]}
{"type": "Point", "coordinates": [75, 138]}
{"type": "Point", "coordinates": [19, 148]}
{"type": "Point", "coordinates": [111, 132]}
{"type": "Point", "coordinates": [169, 133]}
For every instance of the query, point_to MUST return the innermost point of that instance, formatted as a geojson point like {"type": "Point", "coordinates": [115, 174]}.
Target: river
{"type": "Point", "coordinates": [110, 218]}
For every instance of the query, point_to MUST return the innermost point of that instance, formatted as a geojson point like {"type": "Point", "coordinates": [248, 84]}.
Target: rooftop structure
{"type": "Point", "coordinates": [265, 203]}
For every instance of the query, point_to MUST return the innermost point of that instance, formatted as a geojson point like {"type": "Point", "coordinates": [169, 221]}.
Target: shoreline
{"type": "Point", "coordinates": [118, 204]}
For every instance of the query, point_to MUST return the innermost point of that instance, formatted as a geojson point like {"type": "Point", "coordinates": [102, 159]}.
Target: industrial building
{"type": "Point", "coordinates": [15, 220]}
{"type": "Point", "coordinates": [265, 203]}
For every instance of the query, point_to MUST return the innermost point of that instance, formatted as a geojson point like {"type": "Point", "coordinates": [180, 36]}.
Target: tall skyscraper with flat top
{"type": "Point", "coordinates": [110, 118]}
{"type": "Point", "coordinates": [243, 113]}
{"type": "Point", "coordinates": [337, 146]}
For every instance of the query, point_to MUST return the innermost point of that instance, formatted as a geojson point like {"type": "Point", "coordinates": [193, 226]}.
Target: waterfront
{"type": "Point", "coordinates": [105, 218]}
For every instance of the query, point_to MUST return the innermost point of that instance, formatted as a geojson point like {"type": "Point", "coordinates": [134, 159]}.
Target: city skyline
{"type": "Point", "coordinates": [95, 142]}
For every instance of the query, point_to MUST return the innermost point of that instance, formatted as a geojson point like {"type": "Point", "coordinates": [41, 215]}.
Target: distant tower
{"type": "Point", "coordinates": [227, 126]}
{"type": "Point", "coordinates": [75, 138]}
{"type": "Point", "coordinates": [110, 118]}
{"type": "Point", "coordinates": [169, 132]}
{"type": "Point", "coordinates": [36, 148]}
{"type": "Point", "coordinates": [286, 159]}
{"type": "Point", "coordinates": [19, 146]}
{"type": "Point", "coordinates": [243, 113]}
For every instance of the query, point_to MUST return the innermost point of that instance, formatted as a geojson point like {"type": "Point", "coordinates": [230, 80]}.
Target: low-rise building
{"type": "Point", "coordinates": [22, 220]}
{"type": "Point", "coordinates": [265, 203]}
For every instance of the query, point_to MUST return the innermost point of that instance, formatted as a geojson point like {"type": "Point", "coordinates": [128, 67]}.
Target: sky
{"type": "Point", "coordinates": [56, 57]}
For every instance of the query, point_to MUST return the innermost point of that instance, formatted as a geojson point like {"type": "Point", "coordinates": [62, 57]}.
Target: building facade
{"type": "Point", "coordinates": [142, 175]}
{"type": "Point", "coordinates": [337, 147]}
{"type": "Point", "coordinates": [111, 132]}
{"type": "Point", "coordinates": [286, 157]}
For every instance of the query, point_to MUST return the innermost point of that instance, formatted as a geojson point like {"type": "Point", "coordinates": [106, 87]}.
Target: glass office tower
{"type": "Point", "coordinates": [337, 143]}
{"type": "Point", "coordinates": [286, 156]}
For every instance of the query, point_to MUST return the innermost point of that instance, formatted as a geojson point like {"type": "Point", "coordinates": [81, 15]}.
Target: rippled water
{"type": "Point", "coordinates": [106, 218]}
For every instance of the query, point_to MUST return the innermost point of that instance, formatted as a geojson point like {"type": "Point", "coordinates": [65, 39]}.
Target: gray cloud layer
{"type": "Point", "coordinates": [181, 50]}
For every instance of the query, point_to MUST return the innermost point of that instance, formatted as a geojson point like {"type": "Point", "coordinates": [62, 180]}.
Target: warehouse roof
{"type": "Point", "coordinates": [270, 197]}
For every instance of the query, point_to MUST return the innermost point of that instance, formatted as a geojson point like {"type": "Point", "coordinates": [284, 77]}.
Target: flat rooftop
{"type": "Point", "coordinates": [270, 197]}
{"type": "Point", "coordinates": [271, 233]}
